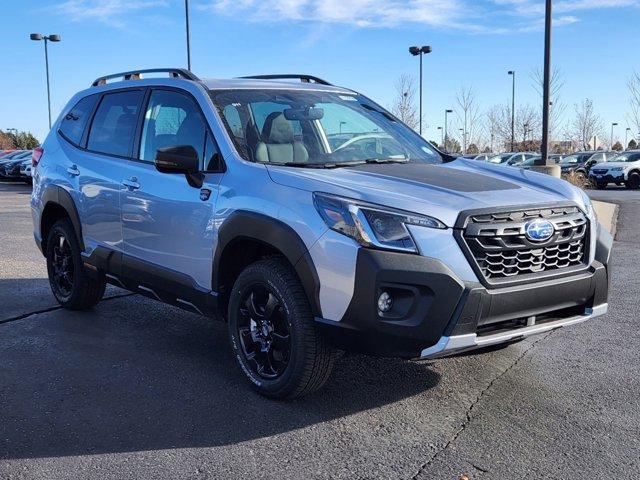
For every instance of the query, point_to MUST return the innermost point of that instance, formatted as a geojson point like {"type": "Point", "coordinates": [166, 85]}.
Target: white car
{"type": "Point", "coordinates": [622, 169]}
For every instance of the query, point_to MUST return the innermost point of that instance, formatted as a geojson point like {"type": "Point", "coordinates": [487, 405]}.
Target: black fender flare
{"type": "Point", "coordinates": [247, 225]}
{"type": "Point", "coordinates": [59, 196]}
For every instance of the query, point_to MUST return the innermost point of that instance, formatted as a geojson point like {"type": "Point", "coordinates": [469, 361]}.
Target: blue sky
{"type": "Point", "coordinates": [361, 44]}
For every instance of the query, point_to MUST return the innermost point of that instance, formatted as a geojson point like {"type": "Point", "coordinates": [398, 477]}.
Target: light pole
{"type": "Point", "coordinates": [513, 107]}
{"type": "Point", "coordinates": [626, 138]}
{"type": "Point", "coordinates": [546, 91]}
{"type": "Point", "coordinates": [420, 51]}
{"type": "Point", "coordinates": [186, 19]}
{"type": "Point", "coordinates": [441, 138]}
{"type": "Point", "coordinates": [614, 124]}
{"type": "Point", "coordinates": [53, 38]}
{"type": "Point", "coordinates": [446, 126]}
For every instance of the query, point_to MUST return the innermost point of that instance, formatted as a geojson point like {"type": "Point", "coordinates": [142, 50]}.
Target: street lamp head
{"type": "Point", "coordinates": [511, 72]}
{"type": "Point", "coordinates": [414, 50]}
{"type": "Point", "coordinates": [54, 38]}
{"type": "Point", "coordinates": [35, 36]}
{"type": "Point", "coordinates": [614, 124]}
{"type": "Point", "coordinates": [448, 111]}
{"type": "Point", "coordinates": [426, 49]}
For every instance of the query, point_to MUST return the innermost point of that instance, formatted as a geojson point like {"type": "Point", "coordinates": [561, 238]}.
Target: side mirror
{"type": "Point", "coordinates": [179, 159]}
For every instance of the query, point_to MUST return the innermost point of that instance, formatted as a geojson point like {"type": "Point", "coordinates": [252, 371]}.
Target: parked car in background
{"type": "Point", "coordinates": [25, 171]}
{"type": "Point", "coordinates": [5, 152]}
{"type": "Point", "coordinates": [531, 161]}
{"type": "Point", "coordinates": [15, 155]}
{"type": "Point", "coordinates": [511, 158]}
{"type": "Point", "coordinates": [580, 163]}
{"type": "Point", "coordinates": [12, 167]}
{"type": "Point", "coordinates": [623, 169]}
{"type": "Point", "coordinates": [483, 157]}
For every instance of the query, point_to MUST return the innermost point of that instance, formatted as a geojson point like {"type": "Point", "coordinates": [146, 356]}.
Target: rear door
{"type": "Point", "coordinates": [100, 166]}
{"type": "Point", "coordinates": [166, 221]}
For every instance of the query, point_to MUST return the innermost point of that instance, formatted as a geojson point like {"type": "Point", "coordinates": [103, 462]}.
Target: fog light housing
{"type": "Point", "coordinates": [385, 302]}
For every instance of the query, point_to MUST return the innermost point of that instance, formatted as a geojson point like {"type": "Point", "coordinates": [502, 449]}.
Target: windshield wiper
{"type": "Point", "coordinates": [386, 160]}
{"type": "Point", "coordinates": [320, 164]}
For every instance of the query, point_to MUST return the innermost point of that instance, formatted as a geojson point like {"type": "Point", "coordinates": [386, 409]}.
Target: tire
{"type": "Point", "coordinates": [272, 332]}
{"type": "Point", "coordinates": [633, 181]}
{"type": "Point", "coordinates": [70, 284]}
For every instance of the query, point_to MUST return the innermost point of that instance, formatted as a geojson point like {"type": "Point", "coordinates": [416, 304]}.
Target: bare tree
{"type": "Point", "coordinates": [634, 101]}
{"type": "Point", "coordinates": [404, 101]}
{"type": "Point", "coordinates": [469, 116]}
{"type": "Point", "coordinates": [587, 124]}
{"type": "Point", "coordinates": [557, 107]}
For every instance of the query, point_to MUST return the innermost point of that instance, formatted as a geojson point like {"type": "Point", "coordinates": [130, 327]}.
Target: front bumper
{"type": "Point", "coordinates": [437, 314]}
{"type": "Point", "coordinates": [610, 177]}
{"type": "Point", "coordinates": [470, 341]}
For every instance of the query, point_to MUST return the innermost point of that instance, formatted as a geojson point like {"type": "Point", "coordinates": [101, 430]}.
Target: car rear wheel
{"type": "Point", "coordinates": [634, 181]}
{"type": "Point", "coordinates": [70, 284]}
{"type": "Point", "coordinates": [272, 332]}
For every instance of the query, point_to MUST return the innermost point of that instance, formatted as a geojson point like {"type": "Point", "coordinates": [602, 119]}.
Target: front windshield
{"type": "Point", "coordinates": [500, 158]}
{"type": "Point", "coordinates": [574, 159]}
{"type": "Point", "coordinates": [313, 128]}
{"type": "Point", "coordinates": [625, 157]}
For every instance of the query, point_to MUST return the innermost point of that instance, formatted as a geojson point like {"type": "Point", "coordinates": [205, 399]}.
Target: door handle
{"type": "Point", "coordinates": [73, 171]}
{"type": "Point", "coordinates": [131, 183]}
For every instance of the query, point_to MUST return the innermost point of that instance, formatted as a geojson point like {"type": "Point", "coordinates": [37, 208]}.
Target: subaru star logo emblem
{"type": "Point", "coordinates": [539, 230]}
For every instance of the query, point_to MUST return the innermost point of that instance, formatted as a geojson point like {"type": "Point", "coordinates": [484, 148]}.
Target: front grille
{"type": "Point", "coordinates": [501, 250]}
{"type": "Point", "coordinates": [600, 171]}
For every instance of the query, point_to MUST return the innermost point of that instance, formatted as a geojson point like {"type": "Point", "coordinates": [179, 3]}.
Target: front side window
{"type": "Point", "coordinates": [114, 123]}
{"type": "Point", "coordinates": [172, 119]}
{"type": "Point", "coordinates": [73, 124]}
{"type": "Point", "coordinates": [302, 127]}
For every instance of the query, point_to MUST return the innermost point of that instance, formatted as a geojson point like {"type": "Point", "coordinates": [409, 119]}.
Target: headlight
{"type": "Point", "coordinates": [371, 225]}
{"type": "Point", "coordinates": [616, 169]}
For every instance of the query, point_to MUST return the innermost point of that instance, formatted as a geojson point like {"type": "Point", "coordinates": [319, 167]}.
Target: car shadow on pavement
{"type": "Point", "coordinates": [134, 375]}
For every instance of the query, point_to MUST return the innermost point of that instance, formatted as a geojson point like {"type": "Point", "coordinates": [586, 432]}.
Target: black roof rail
{"type": "Point", "coordinates": [136, 74]}
{"type": "Point", "coordinates": [303, 78]}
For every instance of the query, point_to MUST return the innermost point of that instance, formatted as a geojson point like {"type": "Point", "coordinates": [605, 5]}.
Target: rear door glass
{"type": "Point", "coordinates": [114, 123]}
{"type": "Point", "coordinates": [74, 122]}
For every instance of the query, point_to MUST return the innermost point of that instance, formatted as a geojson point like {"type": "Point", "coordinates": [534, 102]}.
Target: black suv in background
{"type": "Point", "coordinates": [581, 162]}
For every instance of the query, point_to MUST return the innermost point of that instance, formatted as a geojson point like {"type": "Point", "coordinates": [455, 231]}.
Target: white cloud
{"type": "Point", "coordinates": [473, 16]}
{"type": "Point", "coordinates": [359, 13]}
{"type": "Point", "coordinates": [109, 12]}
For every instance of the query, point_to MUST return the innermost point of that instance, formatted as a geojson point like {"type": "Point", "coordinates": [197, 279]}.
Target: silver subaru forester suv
{"type": "Point", "coordinates": [308, 218]}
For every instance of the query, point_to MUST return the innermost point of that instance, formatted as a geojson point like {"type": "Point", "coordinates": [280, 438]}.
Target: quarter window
{"type": "Point", "coordinates": [74, 122]}
{"type": "Point", "coordinates": [114, 123]}
{"type": "Point", "coordinates": [172, 119]}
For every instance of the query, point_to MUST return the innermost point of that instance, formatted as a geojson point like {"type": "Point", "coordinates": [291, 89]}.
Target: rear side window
{"type": "Point", "coordinates": [114, 123]}
{"type": "Point", "coordinates": [73, 123]}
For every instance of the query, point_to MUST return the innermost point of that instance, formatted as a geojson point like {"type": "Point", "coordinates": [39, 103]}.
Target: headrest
{"type": "Point", "coordinates": [277, 129]}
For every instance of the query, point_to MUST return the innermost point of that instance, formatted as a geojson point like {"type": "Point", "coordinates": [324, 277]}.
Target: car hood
{"type": "Point", "coordinates": [441, 191]}
{"type": "Point", "coordinates": [609, 165]}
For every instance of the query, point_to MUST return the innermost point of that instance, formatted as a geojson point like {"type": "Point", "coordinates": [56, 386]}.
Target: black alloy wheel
{"type": "Point", "coordinates": [62, 275]}
{"type": "Point", "coordinates": [264, 332]}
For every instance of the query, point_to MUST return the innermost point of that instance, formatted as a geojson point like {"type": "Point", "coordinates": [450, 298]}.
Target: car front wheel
{"type": "Point", "coordinates": [272, 332]}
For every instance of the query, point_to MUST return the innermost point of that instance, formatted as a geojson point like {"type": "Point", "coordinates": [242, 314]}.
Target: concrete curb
{"type": "Point", "coordinates": [607, 215]}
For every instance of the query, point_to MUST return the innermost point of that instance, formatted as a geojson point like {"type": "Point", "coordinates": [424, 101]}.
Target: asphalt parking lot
{"type": "Point", "coordinates": [137, 389]}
